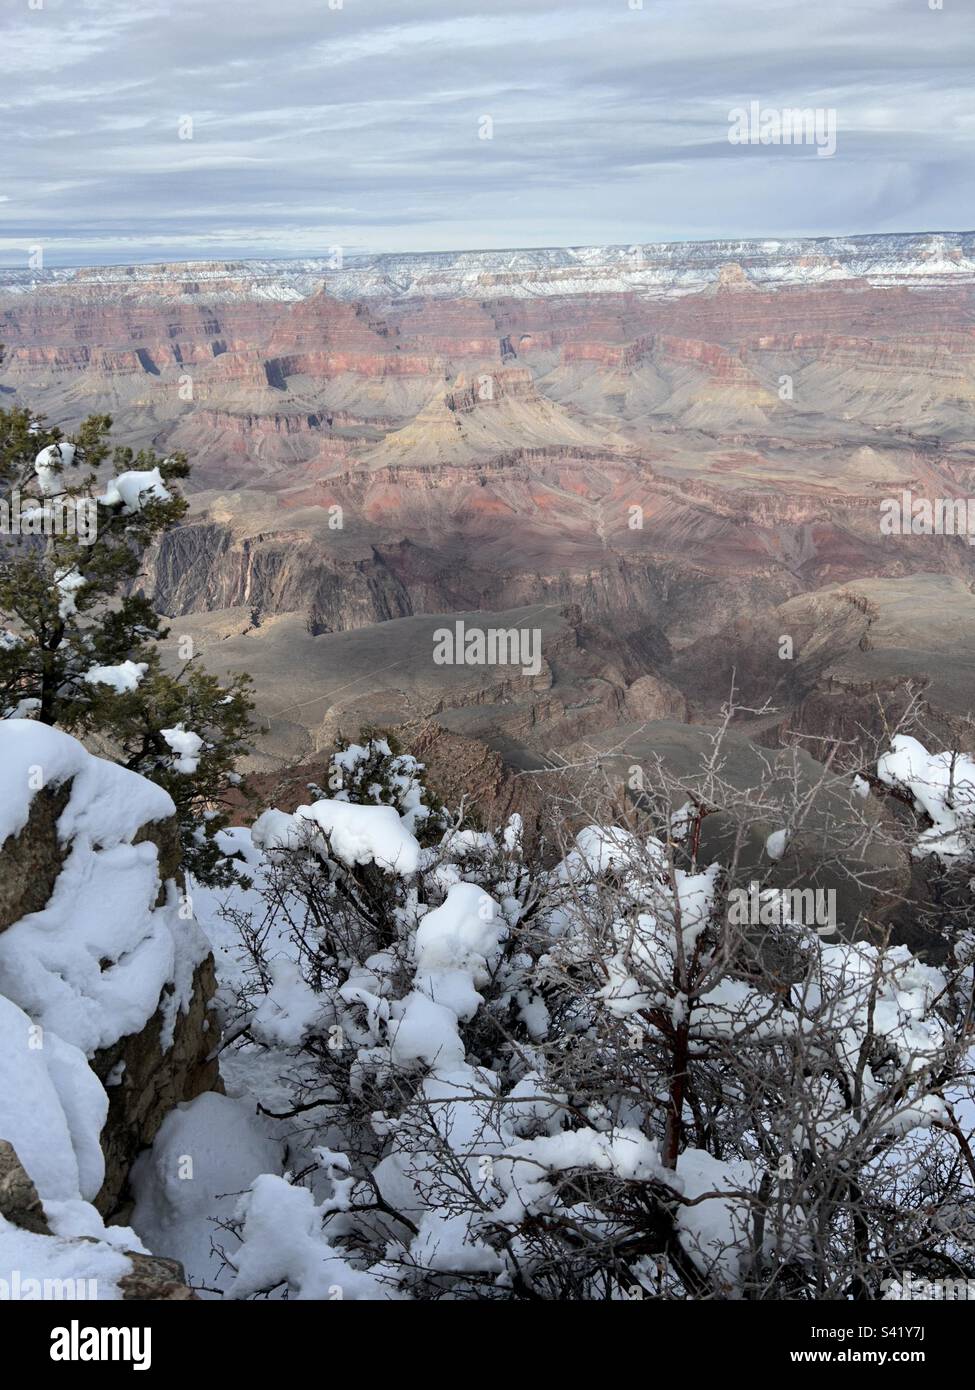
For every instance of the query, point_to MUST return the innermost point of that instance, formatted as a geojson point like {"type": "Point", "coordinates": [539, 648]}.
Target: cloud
{"type": "Point", "coordinates": [144, 130]}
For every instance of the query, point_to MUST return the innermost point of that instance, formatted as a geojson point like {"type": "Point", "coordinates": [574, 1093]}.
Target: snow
{"type": "Point", "coordinates": [353, 757]}
{"type": "Point", "coordinates": [681, 822]}
{"type": "Point", "coordinates": [511, 838]}
{"type": "Point", "coordinates": [23, 709]}
{"type": "Point", "coordinates": [122, 678]}
{"type": "Point", "coordinates": [598, 849]}
{"type": "Point", "coordinates": [458, 1102]}
{"type": "Point", "coordinates": [91, 965]}
{"type": "Point", "coordinates": [52, 1107]}
{"type": "Point", "coordinates": [106, 801]}
{"type": "Point", "coordinates": [49, 467]}
{"type": "Point", "coordinates": [456, 948]}
{"type": "Point", "coordinates": [357, 834]}
{"type": "Point", "coordinates": [775, 845]}
{"type": "Point", "coordinates": [452, 988]}
{"type": "Point", "coordinates": [942, 786]}
{"type": "Point", "coordinates": [714, 1232]}
{"type": "Point", "coordinates": [227, 1146]}
{"type": "Point", "coordinates": [460, 843]}
{"type": "Point", "coordinates": [278, 831]}
{"type": "Point", "coordinates": [39, 1266]}
{"type": "Point", "coordinates": [187, 747]}
{"type": "Point", "coordinates": [467, 1152]}
{"type": "Point", "coordinates": [366, 835]}
{"type": "Point", "coordinates": [478, 1157]}
{"type": "Point", "coordinates": [624, 1152]}
{"type": "Point", "coordinates": [89, 968]}
{"type": "Point", "coordinates": [642, 955]}
{"type": "Point", "coordinates": [661, 270]}
{"type": "Point", "coordinates": [68, 582]}
{"type": "Point", "coordinates": [602, 849]}
{"type": "Point", "coordinates": [425, 1032]}
{"type": "Point", "coordinates": [283, 1243]}
{"type": "Point", "coordinates": [288, 1010]}
{"type": "Point", "coordinates": [622, 994]}
{"type": "Point", "coordinates": [696, 895]}
{"type": "Point", "coordinates": [897, 1007]}
{"type": "Point", "coordinates": [131, 491]}
{"type": "Point", "coordinates": [446, 1243]}
{"type": "Point", "coordinates": [464, 934]}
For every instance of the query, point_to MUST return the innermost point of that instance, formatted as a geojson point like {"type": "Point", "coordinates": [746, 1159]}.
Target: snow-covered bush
{"type": "Point", "coordinates": [376, 772]}
{"type": "Point", "coordinates": [941, 787]}
{"type": "Point", "coordinates": [501, 1078]}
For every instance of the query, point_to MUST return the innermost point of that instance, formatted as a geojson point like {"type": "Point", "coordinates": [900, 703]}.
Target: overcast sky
{"type": "Point", "coordinates": [317, 123]}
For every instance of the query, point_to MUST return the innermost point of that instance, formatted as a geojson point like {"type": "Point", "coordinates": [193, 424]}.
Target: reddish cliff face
{"type": "Point", "coordinates": [664, 462]}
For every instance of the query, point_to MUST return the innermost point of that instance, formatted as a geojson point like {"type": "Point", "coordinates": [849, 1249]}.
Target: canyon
{"type": "Point", "coordinates": [665, 459]}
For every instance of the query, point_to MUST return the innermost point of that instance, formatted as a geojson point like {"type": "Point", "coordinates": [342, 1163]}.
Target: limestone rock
{"type": "Point", "coordinates": [154, 1079]}
{"type": "Point", "coordinates": [19, 1202]}
{"type": "Point", "coordinates": [649, 697]}
{"type": "Point", "coordinates": [156, 1279]}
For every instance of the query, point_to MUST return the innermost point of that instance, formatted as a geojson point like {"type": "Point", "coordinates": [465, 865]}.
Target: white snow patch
{"type": "Point", "coordinates": [186, 746]}
{"type": "Point", "coordinates": [122, 678]}
{"type": "Point", "coordinates": [134, 489]}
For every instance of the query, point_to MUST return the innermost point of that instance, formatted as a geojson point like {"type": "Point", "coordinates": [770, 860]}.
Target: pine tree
{"type": "Point", "coordinates": [80, 645]}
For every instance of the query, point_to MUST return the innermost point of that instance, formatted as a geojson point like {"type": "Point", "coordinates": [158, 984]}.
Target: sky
{"type": "Point", "coordinates": [141, 130]}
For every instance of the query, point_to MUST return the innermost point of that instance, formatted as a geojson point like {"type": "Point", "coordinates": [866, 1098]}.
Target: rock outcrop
{"type": "Point", "coordinates": [105, 990]}
{"type": "Point", "coordinates": [139, 1276]}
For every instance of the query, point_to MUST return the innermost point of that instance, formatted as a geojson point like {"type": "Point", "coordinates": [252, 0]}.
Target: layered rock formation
{"type": "Point", "coordinates": [674, 443]}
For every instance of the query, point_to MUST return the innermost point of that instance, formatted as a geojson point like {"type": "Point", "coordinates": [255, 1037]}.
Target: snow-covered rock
{"type": "Point", "coordinates": [205, 1152]}
{"type": "Point", "coordinates": [103, 973]}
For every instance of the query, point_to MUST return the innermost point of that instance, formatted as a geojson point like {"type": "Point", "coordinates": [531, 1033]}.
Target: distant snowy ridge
{"type": "Point", "coordinates": [917, 260]}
